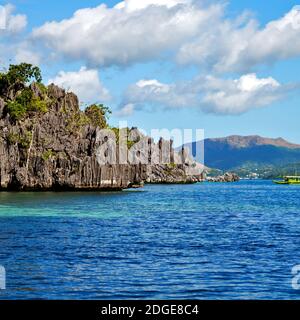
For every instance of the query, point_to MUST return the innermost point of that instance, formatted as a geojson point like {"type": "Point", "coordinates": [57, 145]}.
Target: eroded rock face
{"type": "Point", "coordinates": [182, 169]}
{"type": "Point", "coordinates": [59, 150]}
{"type": "Point", "coordinates": [169, 174]}
{"type": "Point", "coordinates": [227, 177]}
{"type": "Point", "coordinates": [55, 151]}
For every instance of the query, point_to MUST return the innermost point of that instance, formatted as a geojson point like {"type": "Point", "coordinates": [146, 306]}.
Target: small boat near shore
{"type": "Point", "coordinates": [288, 180]}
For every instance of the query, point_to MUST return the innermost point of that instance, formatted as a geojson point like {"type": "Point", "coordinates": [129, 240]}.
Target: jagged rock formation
{"type": "Point", "coordinates": [56, 150]}
{"type": "Point", "coordinates": [167, 174]}
{"type": "Point", "coordinates": [182, 169]}
{"type": "Point", "coordinates": [227, 177]}
{"type": "Point", "coordinates": [166, 165]}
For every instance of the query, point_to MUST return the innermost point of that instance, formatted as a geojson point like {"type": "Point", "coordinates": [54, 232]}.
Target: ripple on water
{"type": "Point", "coordinates": [208, 241]}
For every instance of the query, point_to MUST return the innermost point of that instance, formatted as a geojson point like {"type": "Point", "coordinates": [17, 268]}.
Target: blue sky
{"type": "Point", "coordinates": [229, 68]}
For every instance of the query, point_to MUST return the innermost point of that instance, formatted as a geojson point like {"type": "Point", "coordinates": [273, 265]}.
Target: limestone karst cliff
{"type": "Point", "coordinates": [55, 150]}
{"type": "Point", "coordinates": [48, 143]}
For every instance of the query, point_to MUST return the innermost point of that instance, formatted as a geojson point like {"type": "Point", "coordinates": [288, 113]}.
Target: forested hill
{"type": "Point", "coordinates": [237, 151]}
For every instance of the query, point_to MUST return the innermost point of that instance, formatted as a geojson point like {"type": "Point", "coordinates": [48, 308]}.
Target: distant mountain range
{"type": "Point", "coordinates": [247, 151]}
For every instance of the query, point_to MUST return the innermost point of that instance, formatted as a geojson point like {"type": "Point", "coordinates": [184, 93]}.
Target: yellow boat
{"type": "Point", "coordinates": [288, 180]}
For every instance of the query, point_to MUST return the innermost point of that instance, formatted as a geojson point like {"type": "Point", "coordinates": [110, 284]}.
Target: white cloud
{"type": "Point", "coordinates": [126, 111]}
{"type": "Point", "coordinates": [137, 31]}
{"type": "Point", "coordinates": [85, 83]}
{"type": "Point", "coordinates": [132, 31]}
{"type": "Point", "coordinates": [239, 95]}
{"type": "Point", "coordinates": [229, 45]}
{"type": "Point", "coordinates": [154, 92]}
{"type": "Point", "coordinates": [133, 5]}
{"type": "Point", "coordinates": [210, 94]}
{"type": "Point", "coordinates": [25, 54]}
{"type": "Point", "coordinates": [11, 23]}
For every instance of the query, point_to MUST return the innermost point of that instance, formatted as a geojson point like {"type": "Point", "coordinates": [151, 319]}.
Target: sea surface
{"type": "Point", "coordinates": [202, 241]}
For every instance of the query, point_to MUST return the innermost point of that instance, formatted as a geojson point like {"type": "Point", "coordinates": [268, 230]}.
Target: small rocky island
{"type": "Point", "coordinates": [48, 143]}
{"type": "Point", "coordinates": [226, 177]}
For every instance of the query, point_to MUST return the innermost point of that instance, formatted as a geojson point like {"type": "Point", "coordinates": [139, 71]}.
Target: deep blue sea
{"type": "Point", "coordinates": [202, 241]}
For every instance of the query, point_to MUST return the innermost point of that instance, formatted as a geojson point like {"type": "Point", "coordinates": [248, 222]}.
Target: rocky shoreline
{"type": "Point", "coordinates": [166, 174]}
{"type": "Point", "coordinates": [227, 177]}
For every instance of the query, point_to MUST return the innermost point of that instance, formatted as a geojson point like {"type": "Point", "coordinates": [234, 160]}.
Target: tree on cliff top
{"type": "Point", "coordinates": [24, 73]}
{"type": "Point", "coordinates": [18, 76]}
{"type": "Point", "coordinates": [22, 101]}
{"type": "Point", "coordinates": [16, 91]}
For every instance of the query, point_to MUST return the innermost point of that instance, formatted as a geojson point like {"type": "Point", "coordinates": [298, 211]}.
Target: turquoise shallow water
{"type": "Point", "coordinates": [203, 241]}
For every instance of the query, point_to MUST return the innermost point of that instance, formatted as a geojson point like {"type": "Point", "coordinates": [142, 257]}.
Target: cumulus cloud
{"type": "Point", "coordinates": [132, 31]}
{"type": "Point", "coordinates": [192, 32]}
{"type": "Point", "coordinates": [209, 94]}
{"type": "Point", "coordinates": [154, 92]}
{"type": "Point", "coordinates": [241, 45]}
{"type": "Point", "coordinates": [10, 23]}
{"type": "Point", "coordinates": [137, 31]}
{"type": "Point", "coordinates": [240, 95]}
{"type": "Point", "coordinates": [85, 83]}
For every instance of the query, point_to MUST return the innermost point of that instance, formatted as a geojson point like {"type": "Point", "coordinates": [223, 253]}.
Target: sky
{"type": "Point", "coordinates": [228, 67]}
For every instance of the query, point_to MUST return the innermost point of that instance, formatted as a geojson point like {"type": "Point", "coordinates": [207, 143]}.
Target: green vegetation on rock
{"type": "Point", "coordinates": [25, 95]}
{"type": "Point", "coordinates": [48, 154]}
{"type": "Point", "coordinates": [17, 93]}
{"type": "Point", "coordinates": [24, 103]}
{"type": "Point", "coordinates": [23, 140]}
{"type": "Point", "coordinates": [57, 150]}
{"type": "Point", "coordinates": [129, 142]}
{"type": "Point", "coordinates": [98, 115]}
{"type": "Point", "coordinates": [21, 74]}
